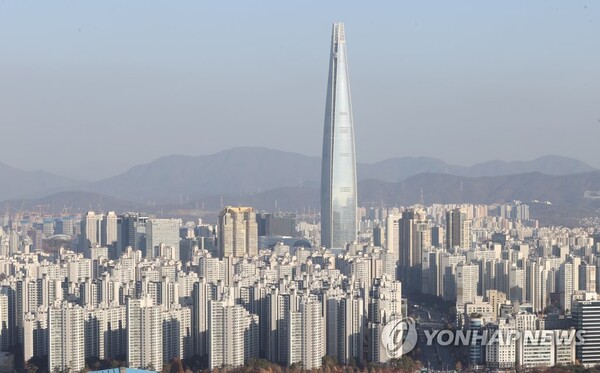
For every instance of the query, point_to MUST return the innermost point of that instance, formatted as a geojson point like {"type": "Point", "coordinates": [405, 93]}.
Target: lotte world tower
{"type": "Point", "coordinates": [338, 170]}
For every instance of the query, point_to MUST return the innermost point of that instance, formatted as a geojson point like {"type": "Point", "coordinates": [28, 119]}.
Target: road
{"type": "Point", "coordinates": [434, 357]}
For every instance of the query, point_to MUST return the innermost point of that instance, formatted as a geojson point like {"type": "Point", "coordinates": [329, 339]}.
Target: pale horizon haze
{"type": "Point", "coordinates": [90, 89]}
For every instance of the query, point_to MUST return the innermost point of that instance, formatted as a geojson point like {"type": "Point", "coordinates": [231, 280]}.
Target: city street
{"type": "Point", "coordinates": [434, 357]}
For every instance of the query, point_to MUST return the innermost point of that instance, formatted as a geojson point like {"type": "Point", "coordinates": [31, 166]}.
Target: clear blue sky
{"type": "Point", "coordinates": [110, 84]}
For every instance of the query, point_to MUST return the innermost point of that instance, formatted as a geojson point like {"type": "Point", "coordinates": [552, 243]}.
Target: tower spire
{"type": "Point", "coordinates": [338, 171]}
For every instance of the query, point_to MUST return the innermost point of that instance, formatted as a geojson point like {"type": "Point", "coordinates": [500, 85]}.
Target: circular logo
{"type": "Point", "coordinates": [399, 336]}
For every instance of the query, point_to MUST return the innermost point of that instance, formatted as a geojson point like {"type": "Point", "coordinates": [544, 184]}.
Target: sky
{"type": "Point", "coordinates": [90, 89]}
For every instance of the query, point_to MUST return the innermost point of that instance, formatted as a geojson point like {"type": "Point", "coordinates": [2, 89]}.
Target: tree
{"type": "Point", "coordinates": [296, 367]}
{"type": "Point", "coordinates": [40, 363]}
{"type": "Point", "coordinates": [176, 366]}
{"type": "Point", "coordinates": [352, 362]}
{"type": "Point", "coordinates": [458, 366]}
{"type": "Point", "coordinates": [330, 361]}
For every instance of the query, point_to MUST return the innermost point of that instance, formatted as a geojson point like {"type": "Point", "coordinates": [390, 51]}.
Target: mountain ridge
{"type": "Point", "coordinates": [176, 178]}
{"type": "Point", "coordinates": [17, 183]}
{"type": "Point", "coordinates": [565, 193]}
{"type": "Point", "coordinates": [249, 169]}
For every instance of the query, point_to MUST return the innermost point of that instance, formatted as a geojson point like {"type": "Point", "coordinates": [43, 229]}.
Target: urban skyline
{"type": "Point", "coordinates": [285, 298]}
{"type": "Point", "coordinates": [366, 285]}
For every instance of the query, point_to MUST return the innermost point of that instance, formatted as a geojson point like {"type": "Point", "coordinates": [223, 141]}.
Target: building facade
{"type": "Point", "coordinates": [338, 171]}
{"type": "Point", "coordinates": [238, 232]}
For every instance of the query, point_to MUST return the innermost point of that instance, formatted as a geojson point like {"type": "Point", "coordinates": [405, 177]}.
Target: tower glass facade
{"type": "Point", "coordinates": [338, 172]}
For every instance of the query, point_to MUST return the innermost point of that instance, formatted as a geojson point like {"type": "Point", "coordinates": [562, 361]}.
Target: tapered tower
{"type": "Point", "coordinates": [338, 171]}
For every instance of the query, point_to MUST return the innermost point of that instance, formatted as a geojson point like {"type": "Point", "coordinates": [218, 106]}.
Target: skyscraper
{"type": "Point", "coordinates": [338, 170]}
{"type": "Point", "coordinates": [159, 232]}
{"type": "Point", "coordinates": [232, 334]}
{"type": "Point", "coordinates": [131, 228]}
{"type": "Point", "coordinates": [238, 232]}
{"type": "Point", "coordinates": [458, 229]}
{"type": "Point", "coordinates": [66, 338]}
{"type": "Point", "coordinates": [90, 230]}
{"type": "Point", "coordinates": [108, 233]}
{"type": "Point", "coordinates": [144, 333]}
{"type": "Point", "coordinates": [585, 317]}
{"type": "Point", "coordinates": [414, 237]}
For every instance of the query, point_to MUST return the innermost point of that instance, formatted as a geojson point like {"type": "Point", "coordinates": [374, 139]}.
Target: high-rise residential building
{"type": "Point", "coordinates": [4, 322]}
{"type": "Point", "coordinates": [338, 171]}
{"type": "Point", "coordinates": [349, 325]}
{"type": "Point", "coordinates": [105, 331]}
{"type": "Point", "coordinates": [379, 236]}
{"type": "Point", "coordinates": [66, 350]}
{"type": "Point", "coordinates": [467, 279]}
{"type": "Point", "coordinates": [516, 284]}
{"type": "Point", "coordinates": [48, 227]}
{"type": "Point", "coordinates": [90, 230]}
{"type": "Point", "coordinates": [238, 232]}
{"type": "Point", "coordinates": [458, 229]}
{"type": "Point", "coordinates": [566, 285]}
{"type": "Point", "coordinates": [36, 237]}
{"type": "Point", "coordinates": [232, 334]}
{"type": "Point", "coordinates": [537, 278]}
{"type": "Point", "coordinates": [313, 341]}
{"type": "Point", "coordinates": [430, 261]}
{"type": "Point", "coordinates": [414, 237]}
{"type": "Point", "coordinates": [144, 334]}
{"type": "Point", "coordinates": [200, 299]}
{"type": "Point", "coordinates": [391, 244]}
{"type": "Point", "coordinates": [177, 333]}
{"type": "Point", "coordinates": [64, 225]}
{"type": "Point", "coordinates": [587, 277]}
{"type": "Point", "coordinates": [35, 335]}
{"type": "Point", "coordinates": [162, 233]}
{"type": "Point", "coordinates": [275, 327]}
{"type": "Point", "coordinates": [108, 232]}
{"type": "Point", "coordinates": [447, 275]}
{"type": "Point", "coordinates": [520, 212]}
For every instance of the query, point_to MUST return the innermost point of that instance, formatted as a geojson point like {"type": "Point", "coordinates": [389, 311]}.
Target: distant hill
{"type": "Point", "coordinates": [272, 179]}
{"type": "Point", "coordinates": [15, 183]}
{"type": "Point", "coordinates": [397, 169]}
{"type": "Point", "coordinates": [548, 165]}
{"type": "Point", "coordinates": [565, 193]}
{"type": "Point", "coordinates": [436, 188]}
{"type": "Point", "coordinates": [178, 178]}
{"type": "Point", "coordinates": [239, 170]}
{"type": "Point", "coordinates": [72, 202]}
{"type": "Point", "coordinates": [441, 188]}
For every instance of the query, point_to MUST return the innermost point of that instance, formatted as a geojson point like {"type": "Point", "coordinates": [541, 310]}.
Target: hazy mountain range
{"type": "Point", "coordinates": [16, 183]}
{"type": "Point", "coordinates": [254, 170]}
{"type": "Point", "coordinates": [271, 179]}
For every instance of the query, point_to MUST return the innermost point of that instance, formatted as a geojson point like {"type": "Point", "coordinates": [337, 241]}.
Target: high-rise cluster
{"type": "Point", "coordinates": [147, 290]}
